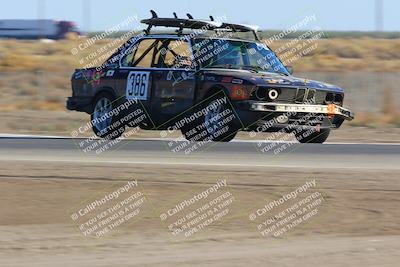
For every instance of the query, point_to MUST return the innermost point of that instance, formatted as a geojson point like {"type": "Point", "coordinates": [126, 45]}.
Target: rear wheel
{"type": "Point", "coordinates": [104, 123]}
{"type": "Point", "coordinates": [312, 136]}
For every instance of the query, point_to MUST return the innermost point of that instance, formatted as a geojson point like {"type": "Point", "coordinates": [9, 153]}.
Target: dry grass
{"type": "Point", "coordinates": [36, 75]}
{"type": "Point", "coordinates": [365, 54]}
{"type": "Point", "coordinates": [389, 115]}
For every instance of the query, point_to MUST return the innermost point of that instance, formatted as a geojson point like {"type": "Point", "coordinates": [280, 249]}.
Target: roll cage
{"type": "Point", "coordinates": [159, 62]}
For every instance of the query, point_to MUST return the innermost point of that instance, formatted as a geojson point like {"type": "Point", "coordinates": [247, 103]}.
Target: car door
{"type": "Point", "coordinates": [135, 76]}
{"type": "Point", "coordinates": [174, 79]}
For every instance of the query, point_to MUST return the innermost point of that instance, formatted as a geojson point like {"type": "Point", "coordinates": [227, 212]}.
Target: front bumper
{"type": "Point", "coordinates": [329, 110]}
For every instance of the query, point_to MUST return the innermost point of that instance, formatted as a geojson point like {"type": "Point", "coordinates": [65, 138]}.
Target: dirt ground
{"type": "Point", "coordinates": [357, 223]}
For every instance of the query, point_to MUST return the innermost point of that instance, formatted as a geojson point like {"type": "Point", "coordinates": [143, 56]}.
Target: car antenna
{"type": "Point", "coordinates": [189, 16]}
{"type": "Point", "coordinates": [211, 18]}
{"type": "Point", "coordinates": [175, 16]}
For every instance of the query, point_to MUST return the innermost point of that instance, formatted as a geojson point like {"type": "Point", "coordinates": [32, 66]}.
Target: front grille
{"type": "Point", "coordinates": [320, 97]}
{"type": "Point", "coordinates": [300, 95]}
{"type": "Point", "coordinates": [287, 95]}
{"type": "Point", "coordinates": [310, 96]}
{"type": "Point", "coordinates": [293, 95]}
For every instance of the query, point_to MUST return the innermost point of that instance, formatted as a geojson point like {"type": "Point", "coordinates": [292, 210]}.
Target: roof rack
{"type": "Point", "coordinates": [191, 23]}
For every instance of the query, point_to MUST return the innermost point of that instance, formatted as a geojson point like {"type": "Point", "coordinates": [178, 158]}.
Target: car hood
{"type": "Point", "coordinates": [268, 78]}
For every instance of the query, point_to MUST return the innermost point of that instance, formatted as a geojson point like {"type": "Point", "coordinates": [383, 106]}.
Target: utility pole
{"type": "Point", "coordinates": [379, 15]}
{"type": "Point", "coordinates": [86, 15]}
{"type": "Point", "coordinates": [378, 28]}
{"type": "Point", "coordinates": [41, 14]}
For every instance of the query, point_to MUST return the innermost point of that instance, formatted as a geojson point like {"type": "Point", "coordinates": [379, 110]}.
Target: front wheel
{"type": "Point", "coordinates": [218, 122]}
{"type": "Point", "coordinates": [104, 123]}
{"type": "Point", "coordinates": [312, 136]}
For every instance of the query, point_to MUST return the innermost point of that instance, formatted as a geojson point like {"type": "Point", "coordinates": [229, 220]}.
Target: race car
{"type": "Point", "coordinates": [207, 81]}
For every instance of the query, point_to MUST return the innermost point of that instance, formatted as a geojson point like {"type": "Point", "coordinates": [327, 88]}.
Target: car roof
{"type": "Point", "coordinates": [201, 36]}
{"type": "Point", "coordinates": [196, 24]}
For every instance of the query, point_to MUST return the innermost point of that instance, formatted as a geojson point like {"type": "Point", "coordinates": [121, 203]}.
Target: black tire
{"type": "Point", "coordinates": [215, 130]}
{"type": "Point", "coordinates": [315, 137]}
{"type": "Point", "coordinates": [109, 128]}
{"type": "Point", "coordinates": [185, 130]}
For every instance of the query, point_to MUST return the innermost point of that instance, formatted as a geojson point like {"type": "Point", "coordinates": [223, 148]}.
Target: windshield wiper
{"type": "Point", "coordinates": [253, 68]}
{"type": "Point", "coordinates": [246, 67]}
{"type": "Point", "coordinates": [224, 66]}
{"type": "Point", "coordinates": [281, 73]}
{"type": "Point", "coordinates": [243, 67]}
{"type": "Point", "coordinates": [258, 68]}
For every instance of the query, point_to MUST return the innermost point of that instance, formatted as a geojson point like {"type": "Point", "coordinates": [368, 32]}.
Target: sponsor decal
{"type": "Point", "coordinates": [110, 73]}
{"type": "Point", "coordinates": [237, 81]}
{"type": "Point", "coordinates": [226, 79]}
{"type": "Point", "coordinates": [276, 81]}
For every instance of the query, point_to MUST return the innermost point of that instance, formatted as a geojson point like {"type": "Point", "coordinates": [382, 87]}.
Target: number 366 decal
{"type": "Point", "coordinates": [137, 85]}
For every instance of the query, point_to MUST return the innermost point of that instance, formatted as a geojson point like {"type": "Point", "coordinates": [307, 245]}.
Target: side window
{"type": "Point", "coordinates": [126, 60]}
{"type": "Point", "coordinates": [140, 55]}
{"type": "Point", "coordinates": [174, 54]}
{"type": "Point", "coordinates": [144, 55]}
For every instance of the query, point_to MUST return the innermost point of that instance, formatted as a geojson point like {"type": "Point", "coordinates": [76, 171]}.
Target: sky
{"type": "Point", "coordinates": [98, 15]}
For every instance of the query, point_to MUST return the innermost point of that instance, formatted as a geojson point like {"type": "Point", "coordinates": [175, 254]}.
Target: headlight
{"type": "Point", "coordinates": [273, 94]}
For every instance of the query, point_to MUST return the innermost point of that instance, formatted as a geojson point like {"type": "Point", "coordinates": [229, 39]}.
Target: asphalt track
{"type": "Point", "coordinates": [236, 153]}
{"type": "Point", "coordinates": [43, 180]}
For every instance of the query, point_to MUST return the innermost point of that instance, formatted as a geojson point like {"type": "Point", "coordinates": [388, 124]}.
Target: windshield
{"type": "Point", "coordinates": [220, 53]}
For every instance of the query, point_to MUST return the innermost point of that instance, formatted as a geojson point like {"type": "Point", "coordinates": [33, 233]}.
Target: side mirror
{"type": "Point", "coordinates": [290, 69]}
